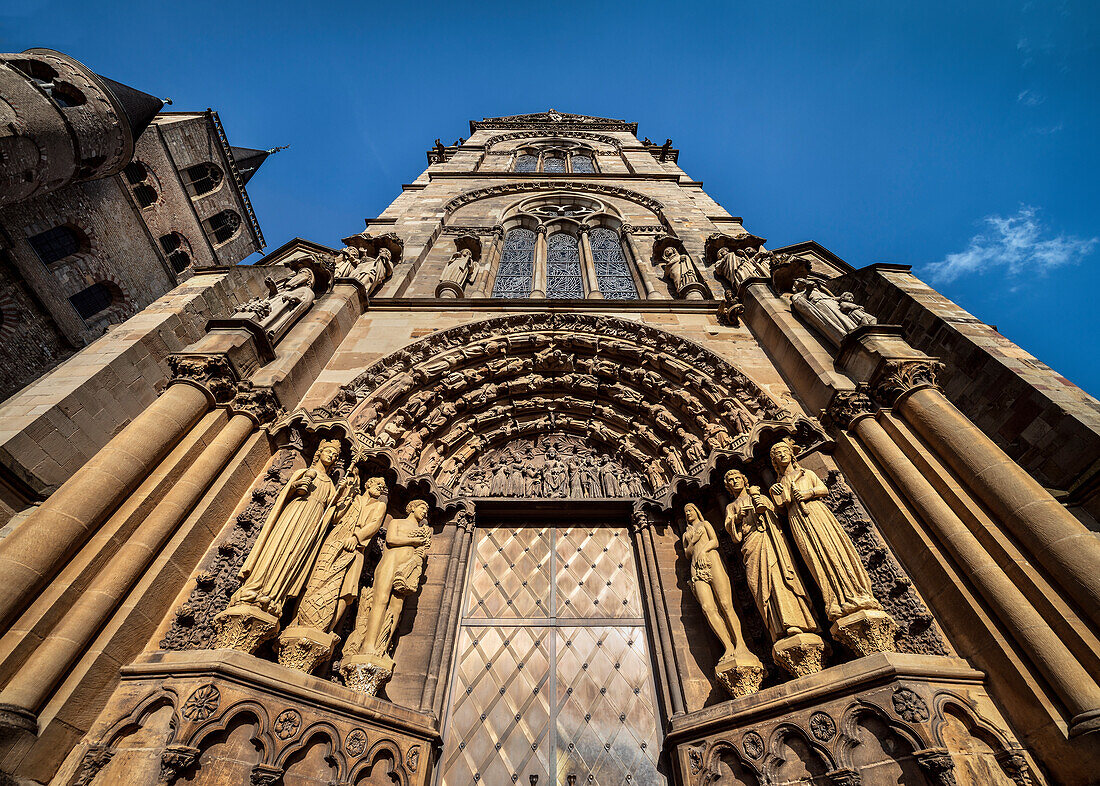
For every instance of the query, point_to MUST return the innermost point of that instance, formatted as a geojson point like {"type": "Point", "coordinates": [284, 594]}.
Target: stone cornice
{"type": "Point", "coordinates": [528, 176]}
{"type": "Point", "coordinates": [496, 304]}
{"type": "Point", "coordinates": [545, 184]}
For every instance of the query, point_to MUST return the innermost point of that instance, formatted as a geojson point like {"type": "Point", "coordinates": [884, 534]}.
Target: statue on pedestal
{"type": "Point", "coordinates": [681, 271]}
{"type": "Point", "coordinates": [456, 274]}
{"type": "Point", "coordinates": [285, 302]}
{"type": "Point", "coordinates": [366, 664]}
{"type": "Point", "coordinates": [373, 271]}
{"type": "Point", "coordinates": [279, 562]}
{"type": "Point", "coordinates": [739, 670]}
{"type": "Point", "coordinates": [858, 619]}
{"type": "Point", "coordinates": [347, 260]}
{"type": "Point", "coordinates": [772, 578]}
{"type": "Point", "coordinates": [333, 583]}
{"type": "Point", "coordinates": [834, 317]}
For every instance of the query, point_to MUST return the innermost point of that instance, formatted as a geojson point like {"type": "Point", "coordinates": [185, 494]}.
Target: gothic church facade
{"type": "Point", "coordinates": [556, 473]}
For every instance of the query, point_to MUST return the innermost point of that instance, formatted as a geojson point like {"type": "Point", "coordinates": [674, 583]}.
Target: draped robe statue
{"type": "Point", "coordinates": [347, 261]}
{"type": "Point", "coordinates": [772, 577]}
{"type": "Point", "coordinates": [372, 272]}
{"type": "Point", "coordinates": [821, 309]}
{"type": "Point", "coordinates": [681, 272]}
{"type": "Point", "coordinates": [286, 548]}
{"type": "Point", "coordinates": [455, 274]}
{"type": "Point", "coordinates": [333, 583]}
{"type": "Point", "coordinates": [285, 302]}
{"type": "Point", "coordinates": [366, 663]}
{"type": "Point", "coordinates": [830, 556]}
{"type": "Point", "coordinates": [738, 668]}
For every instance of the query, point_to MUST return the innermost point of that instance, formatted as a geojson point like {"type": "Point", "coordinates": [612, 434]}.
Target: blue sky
{"type": "Point", "coordinates": [959, 138]}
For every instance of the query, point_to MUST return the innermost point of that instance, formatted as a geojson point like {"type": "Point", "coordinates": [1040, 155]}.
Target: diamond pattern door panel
{"type": "Point", "coordinates": [605, 707]}
{"type": "Point", "coordinates": [552, 674]}
{"type": "Point", "coordinates": [500, 712]}
{"type": "Point", "coordinates": [595, 573]}
{"type": "Point", "coordinates": [510, 574]}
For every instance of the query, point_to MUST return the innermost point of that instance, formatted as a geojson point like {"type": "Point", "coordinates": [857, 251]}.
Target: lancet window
{"type": "Point", "coordinates": [563, 267]}
{"type": "Point", "coordinates": [612, 270]}
{"type": "Point", "coordinates": [555, 160]}
{"type": "Point", "coordinates": [517, 265]}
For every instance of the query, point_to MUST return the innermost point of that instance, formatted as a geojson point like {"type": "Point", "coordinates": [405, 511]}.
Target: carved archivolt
{"type": "Point", "coordinates": [661, 406]}
{"type": "Point", "coordinates": [554, 185]}
{"type": "Point", "coordinates": [607, 140]}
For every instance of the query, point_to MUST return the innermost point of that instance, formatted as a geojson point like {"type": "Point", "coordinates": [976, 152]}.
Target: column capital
{"type": "Point", "coordinates": [848, 406]}
{"type": "Point", "coordinates": [258, 403]}
{"type": "Point", "coordinates": [213, 374]}
{"type": "Point", "coordinates": [895, 379]}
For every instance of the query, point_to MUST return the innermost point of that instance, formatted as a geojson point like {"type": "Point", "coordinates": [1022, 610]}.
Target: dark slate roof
{"type": "Point", "coordinates": [248, 160]}
{"type": "Point", "coordinates": [140, 108]}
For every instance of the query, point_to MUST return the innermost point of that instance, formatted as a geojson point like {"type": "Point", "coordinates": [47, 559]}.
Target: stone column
{"type": "Point", "coordinates": [450, 611]}
{"type": "Point", "coordinates": [1050, 533]}
{"type": "Point", "coordinates": [34, 552]}
{"type": "Point", "coordinates": [588, 266]}
{"type": "Point", "coordinates": [32, 686]}
{"type": "Point", "coordinates": [670, 686]}
{"type": "Point", "coordinates": [538, 283]}
{"type": "Point", "coordinates": [1067, 676]}
{"type": "Point", "coordinates": [647, 290]}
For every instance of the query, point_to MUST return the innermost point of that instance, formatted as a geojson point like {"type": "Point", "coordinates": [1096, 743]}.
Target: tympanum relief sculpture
{"type": "Point", "coordinates": [739, 670]}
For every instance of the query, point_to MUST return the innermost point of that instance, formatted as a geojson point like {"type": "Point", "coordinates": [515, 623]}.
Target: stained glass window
{"type": "Point", "coordinates": [583, 164]}
{"type": "Point", "coordinates": [612, 271]}
{"type": "Point", "coordinates": [553, 164]}
{"type": "Point", "coordinates": [517, 265]}
{"type": "Point", "coordinates": [563, 267]}
{"type": "Point", "coordinates": [527, 163]}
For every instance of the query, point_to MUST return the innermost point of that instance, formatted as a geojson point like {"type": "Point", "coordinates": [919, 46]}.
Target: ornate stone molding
{"type": "Point", "coordinates": [645, 229]}
{"type": "Point", "coordinates": [258, 403]}
{"type": "Point", "coordinates": [554, 121]}
{"type": "Point", "coordinates": [504, 189]}
{"type": "Point", "coordinates": [937, 764]}
{"type": "Point", "coordinates": [482, 230]}
{"type": "Point", "coordinates": [897, 378]}
{"type": "Point", "coordinates": [846, 407]}
{"type": "Point", "coordinates": [570, 134]}
{"type": "Point", "coordinates": [176, 760]}
{"type": "Point", "coordinates": [212, 374]}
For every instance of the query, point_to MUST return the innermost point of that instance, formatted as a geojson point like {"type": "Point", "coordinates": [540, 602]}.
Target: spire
{"type": "Point", "coordinates": [248, 159]}
{"type": "Point", "coordinates": [140, 108]}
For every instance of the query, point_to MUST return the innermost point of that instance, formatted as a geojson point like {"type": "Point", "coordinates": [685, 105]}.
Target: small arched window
{"type": "Point", "coordinates": [517, 265]}
{"type": "Point", "coordinates": [177, 251]}
{"type": "Point", "coordinates": [141, 183]}
{"type": "Point", "coordinates": [612, 270]}
{"type": "Point", "coordinates": [221, 227]}
{"type": "Point", "coordinates": [93, 300]}
{"type": "Point", "coordinates": [563, 267]}
{"type": "Point", "coordinates": [55, 244]}
{"type": "Point", "coordinates": [553, 162]}
{"type": "Point", "coordinates": [202, 178]}
{"type": "Point", "coordinates": [582, 163]}
{"type": "Point", "coordinates": [527, 163]}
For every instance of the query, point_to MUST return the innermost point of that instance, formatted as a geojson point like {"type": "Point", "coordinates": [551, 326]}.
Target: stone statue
{"type": "Point", "coordinates": [285, 302]}
{"type": "Point", "coordinates": [858, 619]}
{"type": "Point", "coordinates": [772, 578]}
{"type": "Point", "coordinates": [347, 260]}
{"type": "Point", "coordinates": [739, 670]}
{"type": "Point", "coordinates": [681, 272]}
{"type": "Point", "coordinates": [372, 272]}
{"type": "Point", "coordinates": [821, 309]}
{"type": "Point", "coordinates": [286, 548]}
{"type": "Point", "coordinates": [855, 311]}
{"type": "Point", "coordinates": [455, 274]}
{"type": "Point", "coordinates": [555, 477]}
{"type": "Point", "coordinates": [366, 664]}
{"type": "Point", "coordinates": [333, 583]}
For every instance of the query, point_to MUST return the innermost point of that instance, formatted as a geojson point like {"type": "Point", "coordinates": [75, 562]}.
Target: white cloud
{"type": "Point", "coordinates": [1019, 243]}
{"type": "Point", "coordinates": [1030, 98]}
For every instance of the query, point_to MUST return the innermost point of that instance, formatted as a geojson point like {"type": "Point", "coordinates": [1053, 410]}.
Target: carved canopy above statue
{"type": "Point", "coordinates": [654, 405]}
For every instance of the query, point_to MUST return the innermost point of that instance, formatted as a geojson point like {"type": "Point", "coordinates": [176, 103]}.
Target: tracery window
{"type": "Point", "coordinates": [612, 270]}
{"type": "Point", "coordinates": [583, 164]}
{"type": "Point", "coordinates": [553, 164]}
{"type": "Point", "coordinates": [517, 265]}
{"type": "Point", "coordinates": [563, 267]}
{"type": "Point", "coordinates": [222, 226]}
{"type": "Point", "coordinates": [527, 163]}
{"type": "Point", "coordinates": [202, 178]}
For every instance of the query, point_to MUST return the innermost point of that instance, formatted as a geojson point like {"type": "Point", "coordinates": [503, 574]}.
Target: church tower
{"type": "Point", "coordinates": [555, 473]}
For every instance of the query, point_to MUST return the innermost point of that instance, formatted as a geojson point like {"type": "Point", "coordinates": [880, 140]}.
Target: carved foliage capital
{"type": "Point", "coordinates": [213, 374]}
{"type": "Point", "coordinates": [176, 760]}
{"type": "Point", "coordinates": [899, 377]}
{"type": "Point", "coordinates": [937, 764]}
{"type": "Point", "coordinates": [258, 403]}
{"type": "Point", "coordinates": [846, 406]}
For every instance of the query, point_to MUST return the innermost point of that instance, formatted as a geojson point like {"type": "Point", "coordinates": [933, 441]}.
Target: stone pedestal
{"type": "Point", "coordinates": [800, 654]}
{"type": "Point", "coordinates": [739, 679]}
{"type": "Point", "coordinates": [366, 673]}
{"type": "Point", "coordinates": [866, 632]}
{"type": "Point", "coordinates": [243, 628]}
{"type": "Point", "coordinates": [305, 649]}
{"type": "Point", "coordinates": [887, 713]}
